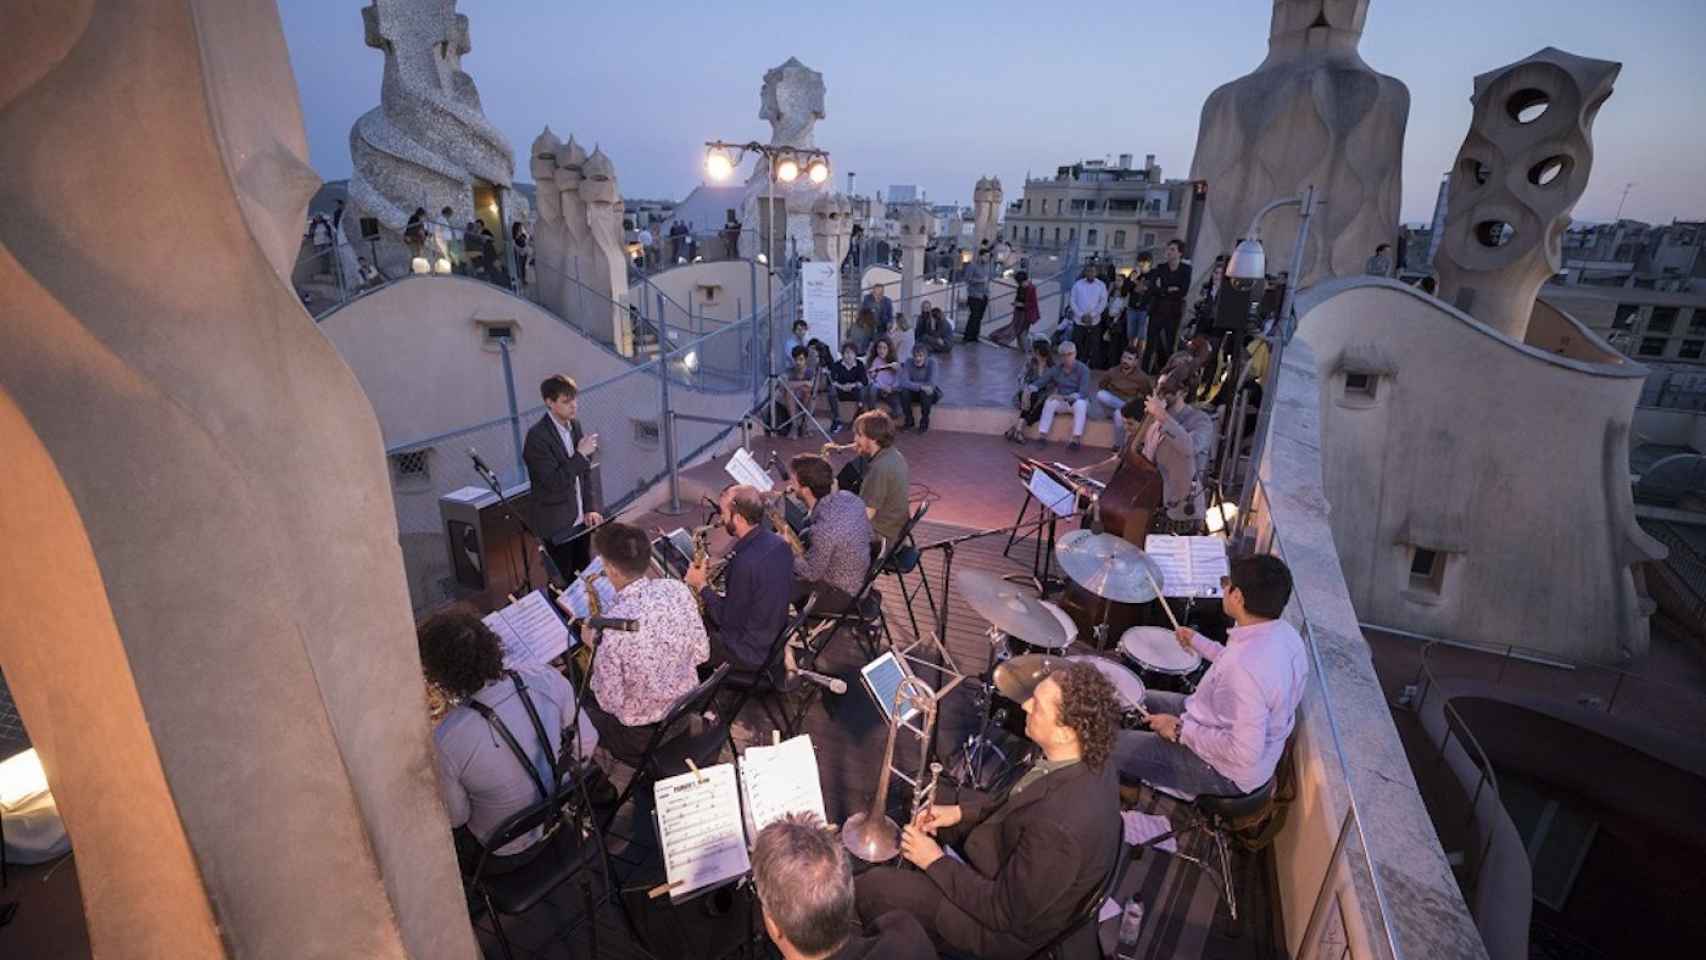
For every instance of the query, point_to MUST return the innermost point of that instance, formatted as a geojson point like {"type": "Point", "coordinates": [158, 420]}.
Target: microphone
{"type": "Point", "coordinates": [834, 685]}
{"type": "Point", "coordinates": [624, 624]}
{"type": "Point", "coordinates": [480, 467]}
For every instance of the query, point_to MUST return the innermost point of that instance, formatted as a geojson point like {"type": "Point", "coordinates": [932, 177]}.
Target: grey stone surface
{"type": "Point", "coordinates": [832, 228]}
{"type": "Point", "coordinates": [581, 259]}
{"type": "Point", "coordinates": [428, 141]}
{"type": "Point", "coordinates": [213, 653]}
{"type": "Point", "coordinates": [1515, 181]}
{"type": "Point", "coordinates": [986, 210]}
{"type": "Point", "coordinates": [1313, 113]}
{"type": "Point", "coordinates": [1418, 899]}
{"type": "Point", "coordinates": [791, 99]}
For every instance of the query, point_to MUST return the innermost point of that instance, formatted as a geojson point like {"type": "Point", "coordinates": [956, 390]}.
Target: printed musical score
{"type": "Point", "coordinates": [699, 830]}
{"type": "Point", "coordinates": [746, 470]}
{"type": "Point", "coordinates": [776, 781]}
{"type": "Point", "coordinates": [1190, 566]}
{"type": "Point", "coordinates": [531, 631]}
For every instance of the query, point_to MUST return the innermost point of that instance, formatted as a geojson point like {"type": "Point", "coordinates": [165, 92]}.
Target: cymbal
{"type": "Point", "coordinates": [1011, 609]}
{"type": "Point", "coordinates": [1018, 677]}
{"type": "Point", "coordinates": [1107, 566]}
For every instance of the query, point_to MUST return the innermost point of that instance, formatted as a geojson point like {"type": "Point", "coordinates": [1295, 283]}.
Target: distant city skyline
{"type": "Point", "coordinates": [906, 105]}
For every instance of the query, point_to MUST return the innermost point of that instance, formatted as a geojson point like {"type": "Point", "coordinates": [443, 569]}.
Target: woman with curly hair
{"type": "Point", "coordinates": [483, 781]}
{"type": "Point", "coordinates": [1034, 857]}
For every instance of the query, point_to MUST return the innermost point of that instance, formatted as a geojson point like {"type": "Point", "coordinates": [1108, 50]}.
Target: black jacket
{"type": "Point", "coordinates": [898, 936]}
{"type": "Point", "coordinates": [554, 470]}
{"type": "Point", "coordinates": [1031, 862]}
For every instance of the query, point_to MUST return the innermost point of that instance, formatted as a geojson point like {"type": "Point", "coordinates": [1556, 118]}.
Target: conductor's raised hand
{"type": "Point", "coordinates": [588, 445]}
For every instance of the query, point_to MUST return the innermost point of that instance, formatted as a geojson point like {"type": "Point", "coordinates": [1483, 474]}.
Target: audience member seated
{"type": "Point", "coordinates": [1226, 738]}
{"type": "Point", "coordinates": [481, 779]}
{"type": "Point", "coordinates": [802, 376]}
{"type": "Point", "coordinates": [884, 370]}
{"type": "Point", "coordinates": [887, 476]}
{"type": "Point", "coordinates": [918, 386]}
{"type": "Point", "coordinates": [753, 608]}
{"type": "Point", "coordinates": [1067, 386]}
{"type": "Point", "coordinates": [835, 564]}
{"type": "Point", "coordinates": [1120, 386]}
{"type": "Point", "coordinates": [848, 383]}
{"type": "Point", "coordinates": [637, 675]}
{"type": "Point", "coordinates": [805, 894]}
{"type": "Point", "coordinates": [1029, 397]}
{"type": "Point", "coordinates": [1032, 858]}
{"type": "Point", "coordinates": [933, 331]}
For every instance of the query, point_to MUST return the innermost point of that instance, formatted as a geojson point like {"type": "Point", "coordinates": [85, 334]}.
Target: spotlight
{"type": "Point", "coordinates": [787, 168]}
{"type": "Point", "coordinates": [690, 362]}
{"type": "Point", "coordinates": [441, 267]}
{"type": "Point", "coordinates": [818, 171]}
{"type": "Point", "coordinates": [718, 164]}
{"type": "Point", "coordinates": [420, 265]}
{"type": "Point", "coordinates": [763, 259]}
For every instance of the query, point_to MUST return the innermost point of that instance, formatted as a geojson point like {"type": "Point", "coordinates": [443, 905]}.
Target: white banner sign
{"type": "Point", "coordinates": [822, 303]}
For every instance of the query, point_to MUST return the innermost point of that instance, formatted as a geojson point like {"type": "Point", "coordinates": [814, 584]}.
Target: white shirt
{"type": "Point", "coordinates": [568, 435]}
{"type": "Point", "coordinates": [1244, 708]}
{"type": "Point", "coordinates": [1088, 299]}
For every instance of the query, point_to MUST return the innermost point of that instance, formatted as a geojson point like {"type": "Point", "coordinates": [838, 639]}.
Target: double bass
{"type": "Point", "coordinates": [1134, 495]}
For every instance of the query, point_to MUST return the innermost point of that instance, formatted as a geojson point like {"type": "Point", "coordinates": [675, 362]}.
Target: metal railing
{"type": "Point", "coordinates": [1456, 727]}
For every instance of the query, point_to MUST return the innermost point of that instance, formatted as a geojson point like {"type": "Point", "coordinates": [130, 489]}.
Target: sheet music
{"type": "Point", "coordinates": [776, 781]}
{"type": "Point", "coordinates": [531, 631]}
{"type": "Point", "coordinates": [574, 598]}
{"type": "Point", "coordinates": [1190, 566]}
{"type": "Point", "coordinates": [1051, 494]}
{"type": "Point", "coordinates": [746, 470]}
{"type": "Point", "coordinates": [699, 830]}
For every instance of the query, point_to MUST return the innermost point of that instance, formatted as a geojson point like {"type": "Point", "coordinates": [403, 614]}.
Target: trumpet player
{"type": "Point", "coordinates": [744, 620]}
{"type": "Point", "coordinates": [835, 564]}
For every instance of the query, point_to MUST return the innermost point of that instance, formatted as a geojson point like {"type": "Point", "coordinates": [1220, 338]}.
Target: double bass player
{"type": "Point", "coordinates": [1157, 484]}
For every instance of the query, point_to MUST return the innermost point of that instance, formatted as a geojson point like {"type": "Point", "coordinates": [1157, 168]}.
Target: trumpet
{"type": "Point", "coordinates": [830, 448]}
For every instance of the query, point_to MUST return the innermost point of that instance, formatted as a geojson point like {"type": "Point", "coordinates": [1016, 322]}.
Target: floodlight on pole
{"type": "Point", "coordinates": [718, 164]}
{"type": "Point", "coordinates": [1248, 262]}
{"type": "Point", "coordinates": [819, 170]}
{"type": "Point", "coordinates": [787, 168]}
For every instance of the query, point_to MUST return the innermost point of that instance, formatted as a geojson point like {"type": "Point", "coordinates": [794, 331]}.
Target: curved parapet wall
{"type": "Point", "coordinates": [428, 141]}
{"type": "Point", "coordinates": [1354, 781]}
{"type": "Point", "coordinates": [1480, 485]}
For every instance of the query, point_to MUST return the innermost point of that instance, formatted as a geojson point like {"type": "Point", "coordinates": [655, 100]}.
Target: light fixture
{"type": "Point", "coordinates": [420, 265]}
{"type": "Point", "coordinates": [1248, 261]}
{"type": "Point", "coordinates": [718, 164]}
{"type": "Point", "coordinates": [1220, 516]}
{"type": "Point", "coordinates": [818, 171]}
{"type": "Point", "coordinates": [763, 259]}
{"type": "Point", "coordinates": [442, 267]}
{"type": "Point", "coordinates": [690, 362]}
{"type": "Point", "coordinates": [787, 168]}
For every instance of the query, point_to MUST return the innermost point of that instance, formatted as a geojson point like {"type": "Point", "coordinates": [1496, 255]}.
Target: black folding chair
{"type": "Point", "coordinates": [674, 741]}
{"type": "Point", "coordinates": [573, 846]}
{"type": "Point", "coordinates": [903, 558]}
{"type": "Point", "coordinates": [766, 684]}
{"type": "Point", "coordinates": [1086, 916]}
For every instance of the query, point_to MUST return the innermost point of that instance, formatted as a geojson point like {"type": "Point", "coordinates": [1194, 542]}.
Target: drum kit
{"type": "Point", "coordinates": [1030, 638]}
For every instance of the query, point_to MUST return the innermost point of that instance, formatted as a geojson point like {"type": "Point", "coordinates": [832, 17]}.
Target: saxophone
{"type": "Point", "coordinates": [830, 448]}
{"type": "Point", "coordinates": [779, 521]}
{"type": "Point", "coordinates": [594, 608]}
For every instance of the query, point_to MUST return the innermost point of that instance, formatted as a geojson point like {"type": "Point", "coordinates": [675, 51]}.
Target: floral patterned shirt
{"type": "Point", "coordinates": [637, 676]}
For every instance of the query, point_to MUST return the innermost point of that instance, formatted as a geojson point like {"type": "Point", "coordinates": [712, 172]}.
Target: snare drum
{"type": "Point", "coordinates": [1159, 660]}
{"type": "Point", "coordinates": [1127, 686]}
{"type": "Point", "coordinates": [1018, 648]}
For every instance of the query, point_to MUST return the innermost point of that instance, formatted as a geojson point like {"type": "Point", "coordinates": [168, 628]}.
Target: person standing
{"type": "Point", "coordinates": [518, 240]}
{"type": "Point", "coordinates": [1066, 386]}
{"type": "Point", "coordinates": [977, 295]}
{"type": "Point", "coordinates": [445, 240]}
{"type": "Point", "coordinates": [753, 608]}
{"type": "Point", "coordinates": [1085, 303]}
{"type": "Point", "coordinates": [647, 256]}
{"type": "Point", "coordinates": [1137, 304]}
{"type": "Point", "coordinates": [1168, 289]}
{"type": "Point", "coordinates": [1025, 313]}
{"type": "Point", "coordinates": [566, 496]}
{"type": "Point", "coordinates": [1380, 265]}
{"type": "Point", "coordinates": [638, 674]}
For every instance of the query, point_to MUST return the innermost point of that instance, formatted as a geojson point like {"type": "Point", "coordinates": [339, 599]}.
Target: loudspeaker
{"type": "Point", "coordinates": [484, 544]}
{"type": "Point", "coordinates": [1231, 307]}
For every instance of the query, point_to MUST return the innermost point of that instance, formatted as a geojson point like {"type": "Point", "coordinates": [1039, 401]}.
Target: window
{"type": "Point", "coordinates": [1148, 240]}
{"type": "Point", "coordinates": [1027, 234]}
{"type": "Point", "coordinates": [1119, 239]}
{"type": "Point", "coordinates": [1427, 570]}
{"type": "Point", "coordinates": [1697, 320]}
{"type": "Point", "coordinates": [1079, 206]}
{"type": "Point", "coordinates": [1028, 206]}
{"type": "Point", "coordinates": [1663, 320]}
{"type": "Point", "coordinates": [1625, 316]}
{"type": "Point", "coordinates": [1652, 346]}
{"type": "Point", "coordinates": [1691, 349]}
{"type": "Point", "coordinates": [1057, 236]}
{"type": "Point", "coordinates": [1071, 234]}
{"type": "Point", "coordinates": [1090, 236]}
{"type": "Point", "coordinates": [412, 469]}
{"type": "Point", "coordinates": [1361, 385]}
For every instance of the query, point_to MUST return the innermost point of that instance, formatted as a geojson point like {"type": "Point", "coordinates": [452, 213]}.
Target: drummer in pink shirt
{"type": "Point", "coordinates": [1225, 739]}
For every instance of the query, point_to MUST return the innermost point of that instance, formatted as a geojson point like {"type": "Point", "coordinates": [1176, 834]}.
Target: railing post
{"type": "Point", "coordinates": [514, 410]}
{"type": "Point", "coordinates": [667, 422]}
{"type": "Point", "coordinates": [661, 329]}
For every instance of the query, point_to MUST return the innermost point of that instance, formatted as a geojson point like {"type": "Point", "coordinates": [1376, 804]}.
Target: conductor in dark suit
{"type": "Point", "coordinates": [566, 494]}
{"type": "Point", "coordinates": [1033, 857]}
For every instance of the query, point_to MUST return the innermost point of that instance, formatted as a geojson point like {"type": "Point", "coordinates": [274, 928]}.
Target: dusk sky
{"type": "Point", "coordinates": [937, 94]}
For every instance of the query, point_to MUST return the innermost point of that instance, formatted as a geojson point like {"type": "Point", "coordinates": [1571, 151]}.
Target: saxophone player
{"type": "Point", "coordinates": [745, 619]}
{"type": "Point", "coordinates": [840, 553]}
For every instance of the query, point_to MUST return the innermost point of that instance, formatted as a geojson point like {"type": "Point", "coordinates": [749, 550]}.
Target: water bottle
{"type": "Point", "coordinates": [1131, 927]}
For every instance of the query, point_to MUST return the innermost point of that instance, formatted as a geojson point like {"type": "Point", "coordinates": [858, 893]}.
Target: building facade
{"type": "Point", "coordinates": [1094, 208]}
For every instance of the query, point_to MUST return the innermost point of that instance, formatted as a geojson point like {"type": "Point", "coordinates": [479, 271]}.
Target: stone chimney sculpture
{"type": "Point", "coordinates": [578, 248]}
{"type": "Point", "coordinates": [1520, 171]}
{"type": "Point", "coordinates": [428, 142]}
{"type": "Point", "coordinates": [832, 225]}
{"type": "Point", "coordinates": [792, 100]}
{"type": "Point", "coordinates": [917, 226]}
{"type": "Point", "coordinates": [986, 209]}
{"type": "Point", "coordinates": [1312, 113]}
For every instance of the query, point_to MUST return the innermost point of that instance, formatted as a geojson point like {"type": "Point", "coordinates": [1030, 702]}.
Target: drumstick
{"type": "Point", "coordinates": [1165, 608]}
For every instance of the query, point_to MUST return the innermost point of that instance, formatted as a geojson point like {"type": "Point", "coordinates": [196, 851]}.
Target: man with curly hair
{"type": "Point", "coordinates": [482, 780]}
{"type": "Point", "coordinates": [1033, 857]}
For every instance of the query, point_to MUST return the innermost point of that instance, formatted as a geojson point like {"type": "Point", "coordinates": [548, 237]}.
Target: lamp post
{"type": "Point", "coordinates": [1249, 264]}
